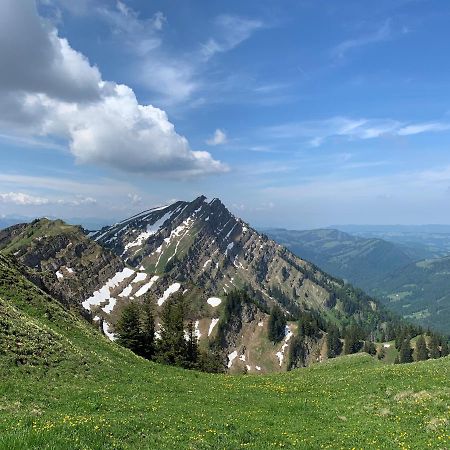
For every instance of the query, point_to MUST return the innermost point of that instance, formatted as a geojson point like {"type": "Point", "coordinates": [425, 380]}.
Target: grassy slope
{"type": "Point", "coordinates": [101, 396]}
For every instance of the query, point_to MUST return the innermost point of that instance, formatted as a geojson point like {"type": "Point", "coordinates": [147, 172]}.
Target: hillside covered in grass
{"type": "Point", "coordinates": [64, 385]}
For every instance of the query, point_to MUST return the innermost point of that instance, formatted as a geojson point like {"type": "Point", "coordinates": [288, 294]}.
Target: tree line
{"type": "Point", "coordinates": [353, 338]}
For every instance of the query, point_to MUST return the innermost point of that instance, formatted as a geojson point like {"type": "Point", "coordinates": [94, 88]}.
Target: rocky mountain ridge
{"type": "Point", "coordinates": [198, 249]}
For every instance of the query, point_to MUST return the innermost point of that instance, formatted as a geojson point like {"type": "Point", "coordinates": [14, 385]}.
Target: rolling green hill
{"type": "Point", "coordinates": [63, 385]}
{"type": "Point", "coordinates": [417, 290]}
{"type": "Point", "coordinates": [363, 262]}
{"type": "Point", "coordinates": [420, 292]}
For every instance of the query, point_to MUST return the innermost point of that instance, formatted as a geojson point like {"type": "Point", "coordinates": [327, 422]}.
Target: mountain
{"type": "Point", "coordinates": [363, 262]}
{"type": "Point", "coordinates": [199, 249]}
{"type": "Point", "coordinates": [64, 385]}
{"type": "Point", "coordinates": [420, 292]}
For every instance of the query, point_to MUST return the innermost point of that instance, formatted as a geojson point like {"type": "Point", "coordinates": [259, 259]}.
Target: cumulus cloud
{"type": "Point", "coordinates": [19, 198]}
{"type": "Point", "coordinates": [218, 138]}
{"type": "Point", "coordinates": [22, 199]}
{"type": "Point", "coordinates": [49, 89]}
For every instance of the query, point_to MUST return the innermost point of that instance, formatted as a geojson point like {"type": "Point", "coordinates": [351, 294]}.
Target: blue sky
{"type": "Point", "coordinates": [298, 114]}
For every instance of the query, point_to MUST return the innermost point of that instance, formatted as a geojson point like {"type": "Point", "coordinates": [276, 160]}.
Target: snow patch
{"type": "Point", "coordinates": [212, 325]}
{"type": "Point", "coordinates": [260, 324]}
{"type": "Point", "coordinates": [169, 291]}
{"type": "Point", "coordinates": [214, 301]}
{"type": "Point", "coordinates": [242, 358]}
{"type": "Point", "coordinates": [229, 247]}
{"type": "Point", "coordinates": [257, 368]}
{"type": "Point", "coordinates": [197, 329]}
{"type": "Point", "coordinates": [108, 333]}
{"type": "Point", "coordinates": [280, 354]}
{"type": "Point", "coordinates": [59, 275]}
{"type": "Point", "coordinates": [145, 288]}
{"type": "Point", "coordinates": [231, 357]}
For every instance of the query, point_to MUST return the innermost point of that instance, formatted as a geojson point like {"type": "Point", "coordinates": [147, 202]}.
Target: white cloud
{"type": "Point", "coordinates": [319, 131]}
{"type": "Point", "coordinates": [232, 31]}
{"type": "Point", "coordinates": [19, 198]}
{"type": "Point", "coordinates": [423, 128]}
{"type": "Point", "coordinates": [49, 89]}
{"type": "Point", "coordinates": [383, 33]}
{"type": "Point", "coordinates": [22, 199]}
{"type": "Point", "coordinates": [135, 199]}
{"type": "Point", "coordinates": [218, 138]}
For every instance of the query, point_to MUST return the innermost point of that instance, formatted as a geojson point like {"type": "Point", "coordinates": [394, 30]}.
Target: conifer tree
{"type": "Point", "coordinates": [334, 344]}
{"type": "Point", "coordinates": [444, 348]}
{"type": "Point", "coordinates": [421, 351]}
{"type": "Point", "coordinates": [172, 345]}
{"type": "Point", "coordinates": [148, 328]}
{"type": "Point", "coordinates": [405, 354]}
{"type": "Point", "coordinates": [128, 328]}
{"type": "Point", "coordinates": [381, 353]}
{"type": "Point", "coordinates": [277, 324]}
{"type": "Point", "coordinates": [434, 347]}
{"type": "Point", "coordinates": [192, 346]}
{"type": "Point", "coordinates": [369, 347]}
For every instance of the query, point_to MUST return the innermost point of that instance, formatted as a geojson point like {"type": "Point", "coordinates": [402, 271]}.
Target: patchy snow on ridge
{"type": "Point", "coordinates": [104, 293]}
{"type": "Point", "coordinates": [144, 289]}
{"type": "Point", "coordinates": [59, 275]}
{"type": "Point", "coordinates": [169, 291]}
{"type": "Point", "coordinates": [214, 301]}
{"type": "Point", "coordinates": [212, 325]}
{"type": "Point", "coordinates": [231, 357]}
{"type": "Point", "coordinates": [280, 354]}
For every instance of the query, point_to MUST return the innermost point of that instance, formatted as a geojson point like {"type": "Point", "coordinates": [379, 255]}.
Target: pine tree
{"type": "Point", "coordinates": [277, 324]}
{"type": "Point", "coordinates": [172, 345]}
{"type": "Point", "coordinates": [444, 348]}
{"type": "Point", "coordinates": [334, 344]}
{"type": "Point", "coordinates": [421, 352]}
{"type": "Point", "coordinates": [192, 346]}
{"type": "Point", "coordinates": [128, 328]}
{"type": "Point", "coordinates": [381, 353]}
{"type": "Point", "coordinates": [405, 355]}
{"type": "Point", "coordinates": [297, 352]}
{"type": "Point", "coordinates": [369, 347]}
{"type": "Point", "coordinates": [351, 341]}
{"type": "Point", "coordinates": [148, 328]}
{"type": "Point", "coordinates": [434, 347]}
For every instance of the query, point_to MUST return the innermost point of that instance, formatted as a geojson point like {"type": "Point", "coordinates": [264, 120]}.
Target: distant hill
{"type": "Point", "coordinates": [418, 241]}
{"type": "Point", "coordinates": [363, 262]}
{"type": "Point", "coordinates": [420, 292]}
{"type": "Point", "coordinates": [417, 290]}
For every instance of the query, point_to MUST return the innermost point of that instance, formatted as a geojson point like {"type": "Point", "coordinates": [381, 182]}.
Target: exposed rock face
{"type": "Point", "coordinates": [60, 259]}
